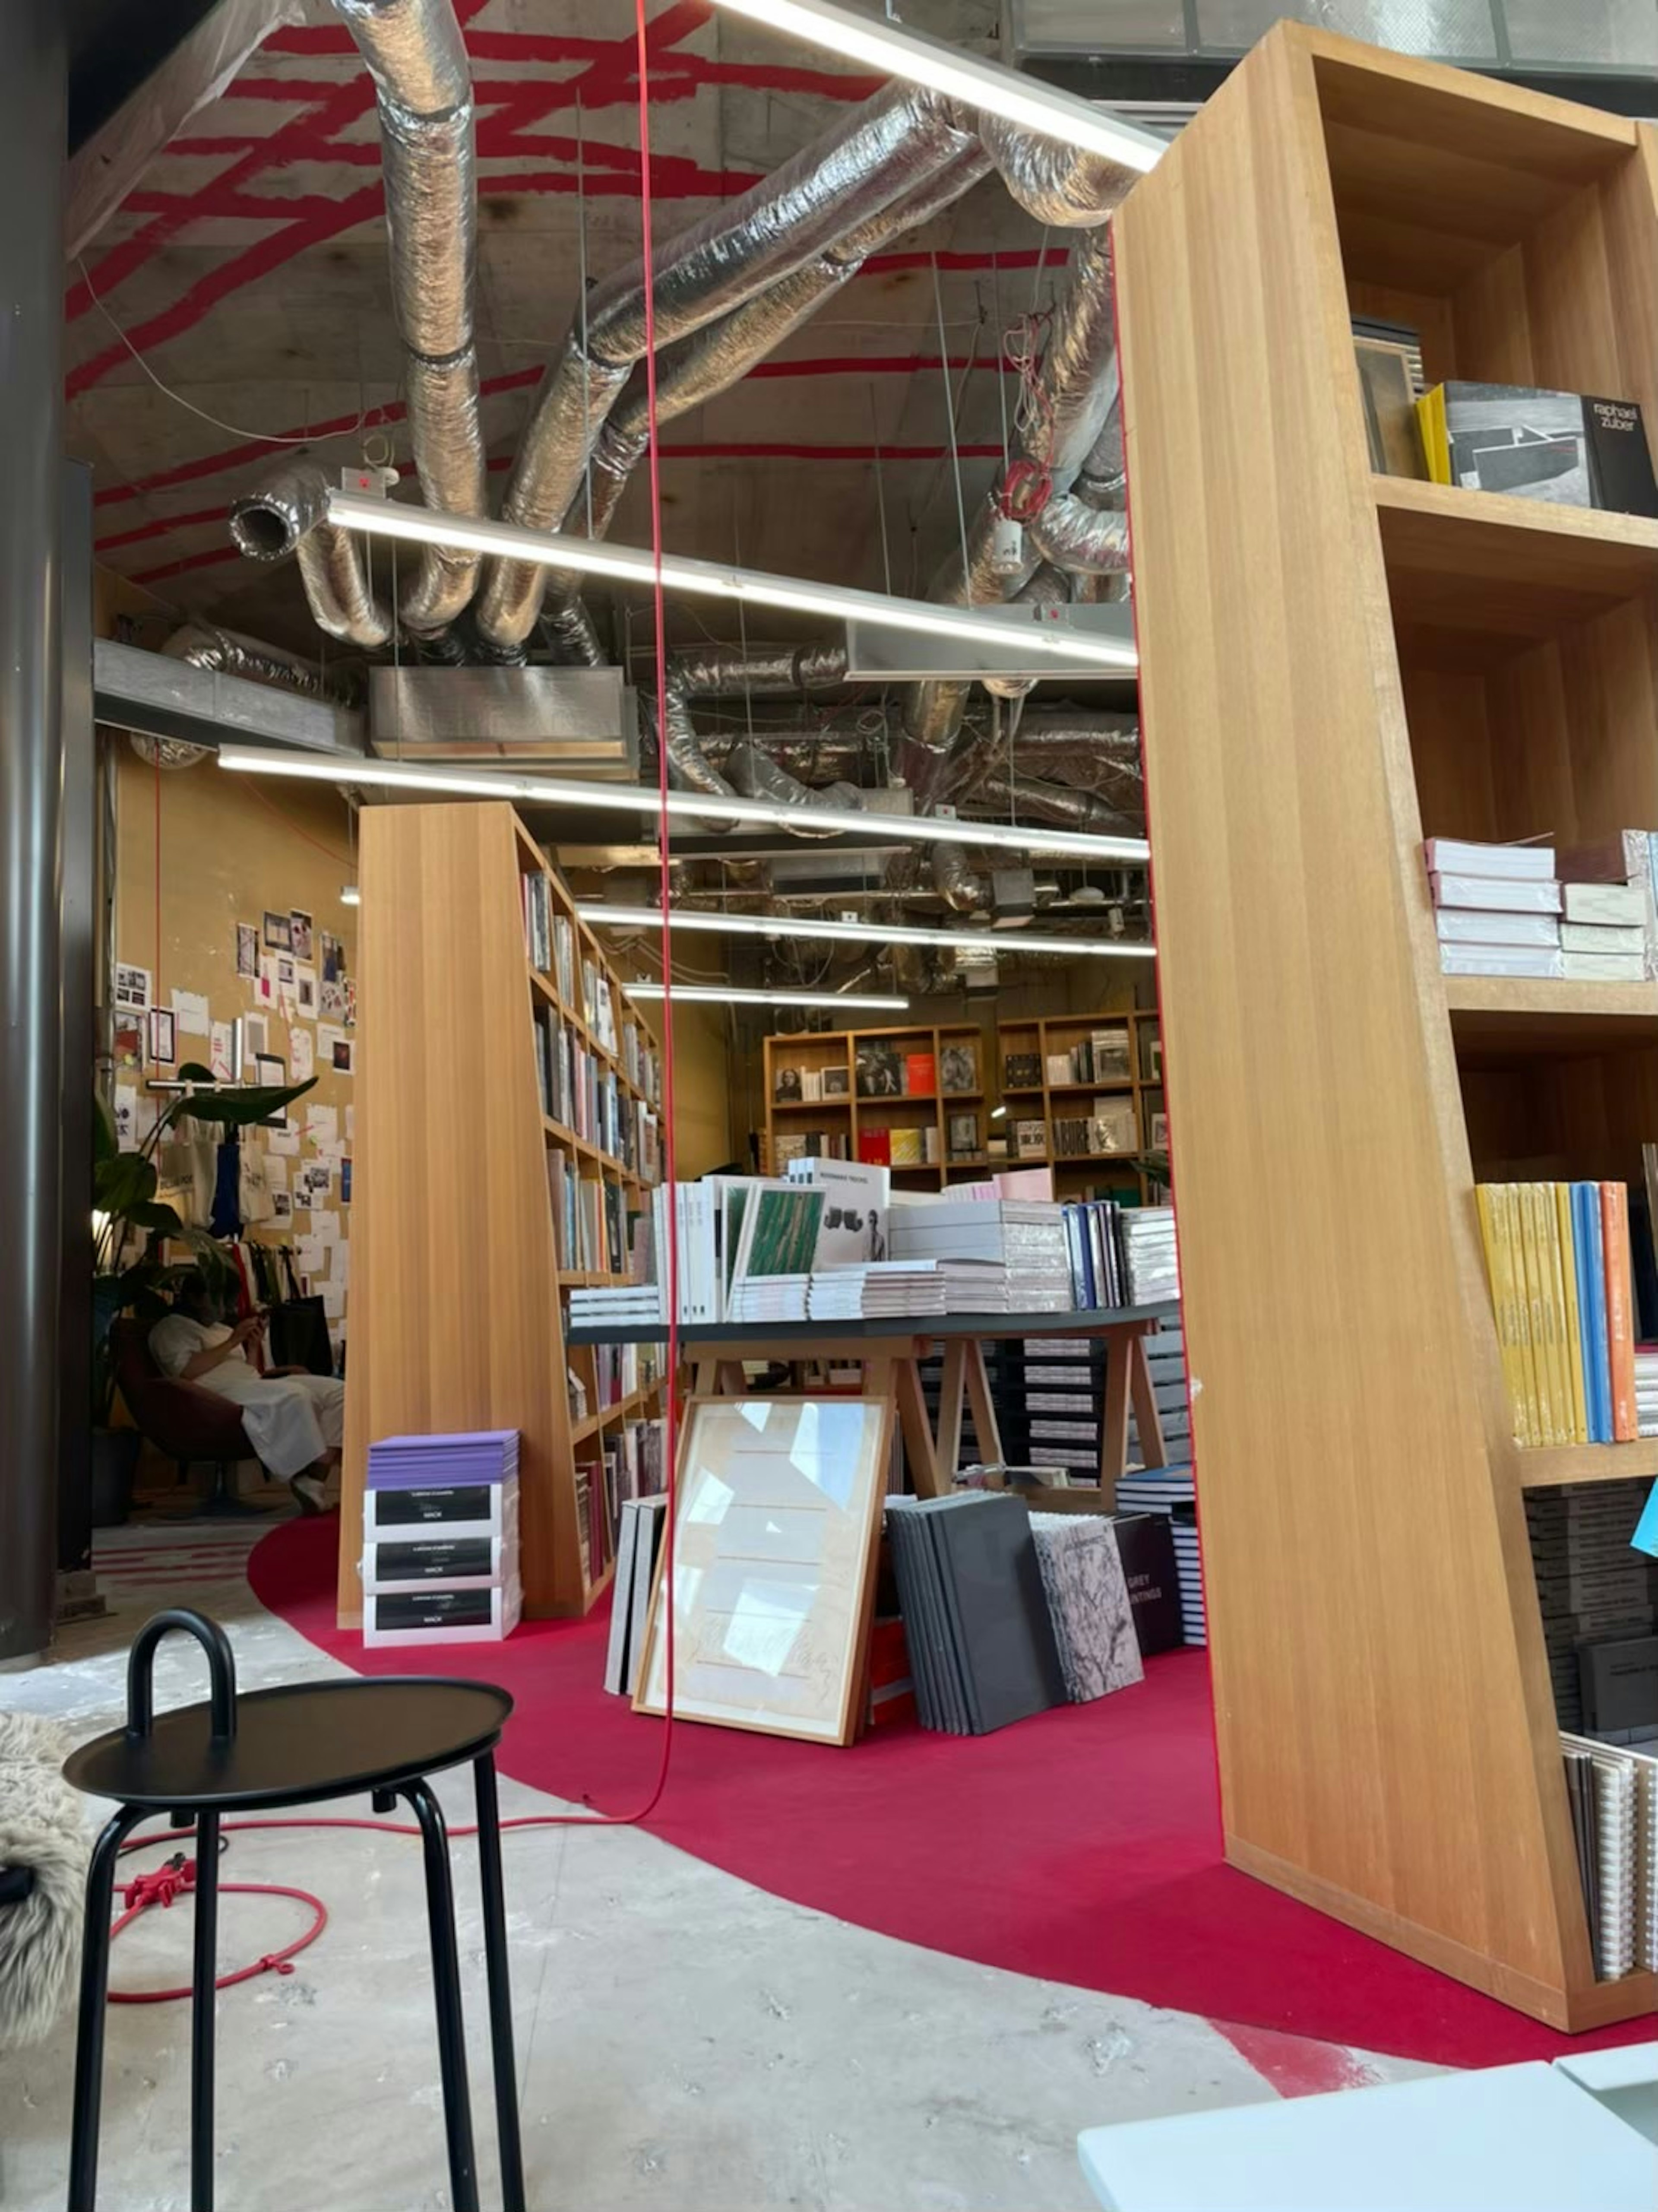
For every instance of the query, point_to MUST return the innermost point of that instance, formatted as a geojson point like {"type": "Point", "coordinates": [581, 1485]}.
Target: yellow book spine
{"type": "Point", "coordinates": [1490, 1236]}
{"type": "Point", "coordinates": [1505, 1203]}
{"type": "Point", "coordinates": [1580, 1419]}
{"type": "Point", "coordinates": [1554, 1315]}
{"type": "Point", "coordinates": [1435, 439]}
{"type": "Point", "coordinates": [1531, 1256]}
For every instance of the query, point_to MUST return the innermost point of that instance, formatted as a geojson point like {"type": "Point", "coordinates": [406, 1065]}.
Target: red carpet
{"type": "Point", "coordinates": [1083, 1846]}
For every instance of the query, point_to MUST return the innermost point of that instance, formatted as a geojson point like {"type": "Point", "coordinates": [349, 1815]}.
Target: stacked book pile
{"type": "Point", "coordinates": [634, 1304]}
{"type": "Point", "coordinates": [1106, 1128]}
{"type": "Point", "coordinates": [440, 1562]}
{"type": "Point", "coordinates": [1120, 1255]}
{"type": "Point", "coordinates": [1100, 1057]}
{"type": "Point", "coordinates": [1557, 1260]}
{"type": "Point", "coordinates": [1025, 1238]}
{"type": "Point", "coordinates": [768, 1298]}
{"type": "Point", "coordinates": [877, 1287]}
{"type": "Point", "coordinates": [1613, 1796]}
{"type": "Point", "coordinates": [1165, 1357]}
{"type": "Point", "coordinates": [1599, 1599]}
{"type": "Point", "coordinates": [1646, 1389]}
{"type": "Point", "coordinates": [976, 1618]}
{"type": "Point", "coordinates": [1171, 1491]}
{"type": "Point", "coordinates": [1496, 909]}
{"type": "Point", "coordinates": [897, 1147]}
{"type": "Point", "coordinates": [1609, 907]}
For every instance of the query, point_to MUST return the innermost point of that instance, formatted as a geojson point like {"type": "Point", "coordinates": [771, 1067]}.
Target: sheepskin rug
{"type": "Point", "coordinates": [42, 1826]}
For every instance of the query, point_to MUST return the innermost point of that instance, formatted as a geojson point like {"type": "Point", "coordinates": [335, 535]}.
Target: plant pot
{"type": "Point", "coordinates": [114, 1463]}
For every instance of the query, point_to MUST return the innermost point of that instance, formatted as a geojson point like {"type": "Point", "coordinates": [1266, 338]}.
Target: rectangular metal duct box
{"type": "Point", "coordinates": [582, 720]}
{"type": "Point", "coordinates": [882, 656]}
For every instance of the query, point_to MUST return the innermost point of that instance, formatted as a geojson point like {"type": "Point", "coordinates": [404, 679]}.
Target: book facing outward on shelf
{"type": "Point", "coordinates": [1557, 1261]}
{"type": "Point", "coordinates": [1528, 443]}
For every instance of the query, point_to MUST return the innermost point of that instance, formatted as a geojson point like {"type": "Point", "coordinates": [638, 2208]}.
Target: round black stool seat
{"type": "Point", "coordinates": [296, 1745]}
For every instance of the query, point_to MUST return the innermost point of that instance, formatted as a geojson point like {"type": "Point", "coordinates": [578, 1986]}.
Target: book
{"type": "Point", "coordinates": [1564, 1258]}
{"type": "Point", "coordinates": [962, 1134]}
{"type": "Point", "coordinates": [1598, 937]}
{"type": "Point", "coordinates": [1454, 856]}
{"type": "Point", "coordinates": [1603, 967]}
{"type": "Point", "coordinates": [786, 1088]}
{"type": "Point", "coordinates": [837, 1083]}
{"type": "Point", "coordinates": [958, 1068]}
{"type": "Point", "coordinates": [1031, 1140]}
{"type": "Point", "coordinates": [880, 1071]}
{"type": "Point", "coordinates": [875, 1146]}
{"type": "Point", "coordinates": [1571, 448]}
{"type": "Point", "coordinates": [1620, 1311]}
{"type": "Point", "coordinates": [905, 1147]}
{"type": "Point", "coordinates": [1597, 1349]}
{"type": "Point", "coordinates": [1388, 374]}
{"type": "Point", "coordinates": [1494, 894]}
{"type": "Point", "coordinates": [1502, 960]}
{"type": "Point", "coordinates": [1538, 933]}
{"type": "Point", "coordinates": [921, 1075]}
{"type": "Point", "coordinates": [1621, 903]}
{"type": "Point", "coordinates": [1022, 1071]}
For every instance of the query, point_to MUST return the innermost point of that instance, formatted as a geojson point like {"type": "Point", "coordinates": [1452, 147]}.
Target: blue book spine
{"type": "Point", "coordinates": [1583, 1273]}
{"type": "Point", "coordinates": [1588, 1195]}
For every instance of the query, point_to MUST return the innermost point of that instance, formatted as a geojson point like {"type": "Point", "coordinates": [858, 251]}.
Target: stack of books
{"type": "Point", "coordinates": [1150, 1262]}
{"type": "Point", "coordinates": [1610, 891]}
{"type": "Point", "coordinates": [888, 1071]}
{"type": "Point", "coordinates": [1120, 1255]}
{"type": "Point", "coordinates": [538, 919]}
{"type": "Point", "coordinates": [1024, 1238]}
{"type": "Point", "coordinates": [1172, 1492]}
{"type": "Point", "coordinates": [1496, 909]}
{"type": "Point", "coordinates": [1165, 1357]}
{"type": "Point", "coordinates": [440, 1562]}
{"type": "Point", "coordinates": [1100, 1057]}
{"type": "Point", "coordinates": [877, 1287]}
{"type": "Point", "coordinates": [1106, 1128]}
{"type": "Point", "coordinates": [1592, 1587]}
{"type": "Point", "coordinates": [1646, 1389]}
{"type": "Point", "coordinates": [636, 1303]}
{"type": "Point", "coordinates": [976, 1618]}
{"type": "Point", "coordinates": [1022, 1071]}
{"type": "Point", "coordinates": [1613, 1796]}
{"type": "Point", "coordinates": [1558, 1259]}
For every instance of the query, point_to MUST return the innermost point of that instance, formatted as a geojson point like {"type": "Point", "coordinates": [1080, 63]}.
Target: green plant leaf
{"type": "Point", "coordinates": [155, 1216]}
{"type": "Point", "coordinates": [121, 1183]}
{"type": "Point", "coordinates": [193, 1071]}
{"type": "Point", "coordinates": [236, 1106]}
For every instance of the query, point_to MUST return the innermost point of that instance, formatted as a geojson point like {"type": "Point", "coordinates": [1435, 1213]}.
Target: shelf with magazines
{"type": "Point", "coordinates": [1433, 663]}
{"type": "Point", "coordinates": [911, 1099]}
{"type": "Point", "coordinates": [505, 1147]}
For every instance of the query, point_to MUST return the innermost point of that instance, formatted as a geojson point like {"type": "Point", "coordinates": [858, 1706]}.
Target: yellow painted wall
{"type": "Point", "coordinates": [229, 851]}
{"type": "Point", "coordinates": [703, 1088]}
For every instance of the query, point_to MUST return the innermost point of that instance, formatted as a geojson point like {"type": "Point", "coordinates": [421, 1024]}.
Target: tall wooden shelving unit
{"type": "Point", "coordinates": [1334, 666]}
{"type": "Point", "coordinates": [458, 1313]}
{"type": "Point", "coordinates": [1041, 1034]}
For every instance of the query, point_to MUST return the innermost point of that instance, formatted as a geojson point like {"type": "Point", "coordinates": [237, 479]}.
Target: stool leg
{"type": "Point", "coordinates": [202, 2002]}
{"type": "Point", "coordinates": [500, 1992]}
{"type": "Point", "coordinates": [446, 1982]}
{"type": "Point", "coordinates": [94, 1997]}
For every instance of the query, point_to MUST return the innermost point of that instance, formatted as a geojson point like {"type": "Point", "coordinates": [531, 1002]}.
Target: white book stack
{"type": "Point", "coordinates": [1646, 1390]}
{"type": "Point", "coordinates": [1496, 909]}
{"type": "Point", "coordinates": [1613, 1796]}
{"type": "Point", "coordinates": [1610, 892]}
{"type": "Point", "coordinates": [1025, 1238]}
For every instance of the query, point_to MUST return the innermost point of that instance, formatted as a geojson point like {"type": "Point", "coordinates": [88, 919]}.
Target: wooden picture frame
{"type": "Point", "coordinates": [787, 1458]}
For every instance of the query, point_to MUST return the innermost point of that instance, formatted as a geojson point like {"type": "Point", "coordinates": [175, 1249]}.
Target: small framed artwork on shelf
{"type": "Point", "coordinates": [1160, 1133]}
{"type": "Point", "coordinates": [837, 1083]}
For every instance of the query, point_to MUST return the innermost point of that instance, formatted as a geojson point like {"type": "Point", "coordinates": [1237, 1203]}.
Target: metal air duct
{"type": "Point", "coordinates": [289, 514]}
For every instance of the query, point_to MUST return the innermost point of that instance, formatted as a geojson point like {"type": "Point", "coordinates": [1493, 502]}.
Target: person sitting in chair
{"type": "Point", "coordinates": [295, 1420]}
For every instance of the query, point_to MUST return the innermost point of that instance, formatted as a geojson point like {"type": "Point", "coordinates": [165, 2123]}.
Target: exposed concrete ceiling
{"type": "Point", "coordinates": [249, 268]}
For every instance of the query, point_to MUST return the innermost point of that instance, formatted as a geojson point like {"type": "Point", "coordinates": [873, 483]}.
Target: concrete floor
{"type": "Point", "coordinates": [685, 2041]}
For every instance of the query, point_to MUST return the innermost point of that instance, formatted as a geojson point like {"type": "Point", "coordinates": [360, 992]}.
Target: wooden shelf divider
{"type": "Point", "coordinates": [460, 1318]}
{"type": "Point", "coordinates": [1334, 666]}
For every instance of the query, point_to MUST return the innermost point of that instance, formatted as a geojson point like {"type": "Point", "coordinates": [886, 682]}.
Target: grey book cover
{"type": "Point", "coordinates": [994, 1587]}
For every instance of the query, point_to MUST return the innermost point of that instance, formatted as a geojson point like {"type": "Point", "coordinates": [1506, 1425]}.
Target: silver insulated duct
{"type": "Point", "coordinates": [289, 515]}
{"type": "Point", "coordinates": [882, 152]}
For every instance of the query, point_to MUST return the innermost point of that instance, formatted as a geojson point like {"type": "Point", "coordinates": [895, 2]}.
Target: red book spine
{"type": "Point", "coordinates": [1620, 1310]}
{"type": "Point", "coordinates": [875, 1147]}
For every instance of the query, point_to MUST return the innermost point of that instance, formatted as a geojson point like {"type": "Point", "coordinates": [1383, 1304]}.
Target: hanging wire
{"type": "Point", "coordinates": [581, 284]}
{"type": "Point", "coordinates": [880, 488]}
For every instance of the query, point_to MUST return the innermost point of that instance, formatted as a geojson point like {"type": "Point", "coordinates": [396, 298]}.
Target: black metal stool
{"type": "Point", "coordinates": [280, 1748]}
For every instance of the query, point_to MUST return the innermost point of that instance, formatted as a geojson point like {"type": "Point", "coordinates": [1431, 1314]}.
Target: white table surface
{"type": "Point", "coordinates": [1509, 2139]}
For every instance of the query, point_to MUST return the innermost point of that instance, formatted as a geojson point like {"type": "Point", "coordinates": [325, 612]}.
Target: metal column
{"type": "Point", "coordinates": [32, 148]}
{"type": "Point", "coordinates": [79, 910]}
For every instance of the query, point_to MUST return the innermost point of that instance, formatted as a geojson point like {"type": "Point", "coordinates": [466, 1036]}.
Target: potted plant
{"type": "Point", "coordinates": [130, 1223]}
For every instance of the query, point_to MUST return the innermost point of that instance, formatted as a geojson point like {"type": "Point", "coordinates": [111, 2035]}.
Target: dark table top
{"type": "Point", "coordinates": [293, 1746]}
{"type": "Point", "coordinates": [732, 1336]}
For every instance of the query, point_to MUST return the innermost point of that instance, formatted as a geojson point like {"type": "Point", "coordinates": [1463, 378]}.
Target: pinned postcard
{"type": "Point", "coordinates": [304, 985]}
{"type": "Point", "coordinates": [279, 932]}
{"type": "Point", "coordinates": [191, 1013]}
{"type": "Point", "coordinates": [276, 1173]}
{"type": "Point", "coordinates": [247, 950]}
{"type": "Point", "coordinates": [322, 1124]}
{"type": "Point", "coordinates": [265, 990]}
{"type": "Point", "coordinates": [301, 1055]}
{"type": "Point", "coordinates": [299, 934]}
{"type": "Point", "coordinates": [128, 1041]}
{"type": "Point", "coordinates": [310, 1254]}
{"type": "Point", "coordinates": [345, 1180]}
{"type": "Point", "coordinates": [163, 1037]}
{"type": "Point", "coordinates": [255, 1038]}
{"type": "Point", "coordinates": [132, 988]}
{"type": "Point", "coordinates": [271, 1071]}
{"type": "Point", "coordinates": [283, 1142]}
{"type": "Point", "coordinates": [221, 1051]}
{"type": "Point", "coordinates": [325, 1227]}
{"type": "Point", "coordinates": [126, 1117]}
{"type": "Point", "coordinates": [281, 1205]}
{"type": "Point", "coordinates": [343, 1056]}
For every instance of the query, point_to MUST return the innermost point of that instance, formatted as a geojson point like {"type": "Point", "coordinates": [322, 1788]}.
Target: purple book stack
{"type": "Point", "coordinates": [440, 1561]}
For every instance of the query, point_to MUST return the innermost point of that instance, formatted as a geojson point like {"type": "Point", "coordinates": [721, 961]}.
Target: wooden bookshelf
{"type": "Point", "coordinates": [848, 1115]}
{"type": "Point", "coordinates": [1054, 1034]}
{"type": "Point", "coordinates": [1335, 666]}
{"type": "Point", "coordinates": [455, 1154]}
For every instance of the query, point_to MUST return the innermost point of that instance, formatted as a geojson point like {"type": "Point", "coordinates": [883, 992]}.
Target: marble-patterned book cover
{"type": "Point", "coordinates": [1088, 1599]}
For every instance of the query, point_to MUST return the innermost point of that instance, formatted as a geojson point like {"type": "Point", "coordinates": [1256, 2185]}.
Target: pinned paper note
{"type": "Point", "coordinates": [322, 1124]}
{"type": "Point", "coordinates": [221, 1051]}
{"type": "Point", "coordinates": [300, 1056]}
{"type": "Point", "coordinates": [132, 988]}
{"type": "Point", "coordinates": [333, 1300]}
{"type": "Point", "coordinates": [310, 1254]}
{"type": "Point", "coordinates": [285, 1141]}
{"type": "Point", "coordinates": [325, 1227]}
{"type": "Point", "coordinates": [276, 1174]}
{"type": "Point", "coordinates": [126, 1117]}
{"type": "Point", "coordinates": [190, 1012]}
{"type": "Point", "coordinates": [264, 989]}
{"type": "Point", "coordinates": [305, 986]}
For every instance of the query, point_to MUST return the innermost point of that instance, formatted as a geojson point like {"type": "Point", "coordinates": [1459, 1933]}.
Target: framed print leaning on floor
{"type": "Point", "coordinates": [773, 1568]}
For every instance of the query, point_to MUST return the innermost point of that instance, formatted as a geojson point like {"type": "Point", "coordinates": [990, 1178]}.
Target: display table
{"type": "Point", "coordinates": [891, 1350]}
{"type": "Point", "coordinates": [1528, 2138]}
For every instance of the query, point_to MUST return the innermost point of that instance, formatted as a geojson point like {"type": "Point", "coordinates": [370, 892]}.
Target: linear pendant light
{"type": "Point", "coordinates": [860, 932]}
{"type": "Point", "coordinates": [559, 791]}
{"type": "Point", "coordinates": [896, 51]}
{"type": "Point", "coordinates": [1039, 630]}
{"type": "Point", "coordinates": [721, 994]}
